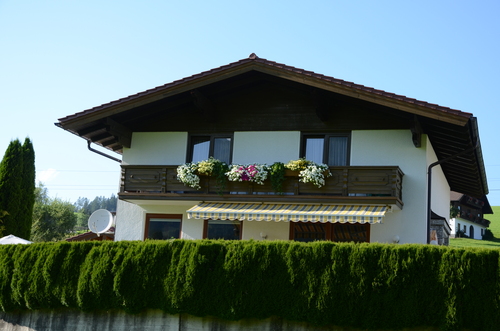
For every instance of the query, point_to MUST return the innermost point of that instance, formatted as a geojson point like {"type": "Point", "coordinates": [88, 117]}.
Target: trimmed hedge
{"type": "Point", "coordinates": [368, 286]}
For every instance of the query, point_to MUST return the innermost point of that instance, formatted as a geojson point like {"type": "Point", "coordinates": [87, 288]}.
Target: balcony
{"type": "Point", "coordinates": [471, 217]}
{"type": "Point", "coordinates": [354, 184]}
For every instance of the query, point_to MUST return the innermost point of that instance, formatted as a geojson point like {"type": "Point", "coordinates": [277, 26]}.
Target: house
{"type": "Point", "coordinates": [393, 160]}
{"type": "Point", "coordinates": [92, 236]}
{"type": "Point", "coordinates": [467, 215]}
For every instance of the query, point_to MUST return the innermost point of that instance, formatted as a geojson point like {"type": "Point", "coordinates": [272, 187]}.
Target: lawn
{"type": "Point", "coordinates": [494, 227]}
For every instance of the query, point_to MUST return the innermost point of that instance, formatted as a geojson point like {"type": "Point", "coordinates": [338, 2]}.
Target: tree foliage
{"type": "Point", "coordinates": [17, 182]}
{"type": "Point", "coordinates": [84, 207]}
{"type": "Point", "coordinates": [28, 189]}
{"type": "Point", "coordinates": [53, 218]}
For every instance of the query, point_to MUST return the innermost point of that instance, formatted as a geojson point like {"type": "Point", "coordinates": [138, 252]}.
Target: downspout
{"type": "Point", "coordinates": [429, 182]}
{"type": "Point", "coordinates": [101, 153]}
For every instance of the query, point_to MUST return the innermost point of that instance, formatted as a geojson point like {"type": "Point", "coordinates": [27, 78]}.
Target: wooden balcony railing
{"type": "Point", "coordinates": [474, 218]}
{"type": "Point", "coordinates": [360, 184]}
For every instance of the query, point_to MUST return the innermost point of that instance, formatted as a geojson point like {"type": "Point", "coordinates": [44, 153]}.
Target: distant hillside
{"type": "Point", "coordinates": [495, 221]}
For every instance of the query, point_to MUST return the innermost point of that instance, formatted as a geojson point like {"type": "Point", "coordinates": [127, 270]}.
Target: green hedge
{"type": "Point", "coordinates": [368, 286]}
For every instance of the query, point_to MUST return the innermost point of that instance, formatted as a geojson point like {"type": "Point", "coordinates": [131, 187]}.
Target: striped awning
{"type": "Point", "coordinates": [289, 212]}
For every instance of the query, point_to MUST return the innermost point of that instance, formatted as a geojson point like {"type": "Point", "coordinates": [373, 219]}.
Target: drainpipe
{"type": "Point", "coordinates": [101, 153]}
{"type": "Point", "coordinates": [429, 182]}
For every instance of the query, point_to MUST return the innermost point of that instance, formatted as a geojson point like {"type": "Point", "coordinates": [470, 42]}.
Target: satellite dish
{"type": "Point", "coordinates": [100, 221]}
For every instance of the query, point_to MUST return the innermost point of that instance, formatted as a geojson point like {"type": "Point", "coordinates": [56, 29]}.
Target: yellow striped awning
{"type": "Point", "coordinates": [289, 212]}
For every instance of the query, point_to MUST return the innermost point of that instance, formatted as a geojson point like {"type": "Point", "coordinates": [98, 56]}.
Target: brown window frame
{"type": "Point", "coordinates": [166, 216]}
{"type": "Point", "coordinates": [326, 138]}
{"type": "Point", "coordinates": [212, 137]}
{"type": "Point", "coordinates": [205, 227]}
{"type": "Point", "coordinates": [330, 230]}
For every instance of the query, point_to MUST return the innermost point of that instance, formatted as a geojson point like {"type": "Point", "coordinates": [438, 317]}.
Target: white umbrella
{"type": "Point", "coordinates": [11, 239]}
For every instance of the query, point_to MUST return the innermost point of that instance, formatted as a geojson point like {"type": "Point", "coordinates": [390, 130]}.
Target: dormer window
{"type": "Point", "coordinates": [201, 147]}
{"type": "Point", "coordinates": [330, 149]}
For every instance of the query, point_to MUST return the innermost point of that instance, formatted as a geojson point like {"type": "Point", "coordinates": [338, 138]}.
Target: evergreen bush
{"type": "Point", "coordinates": [367, 286]}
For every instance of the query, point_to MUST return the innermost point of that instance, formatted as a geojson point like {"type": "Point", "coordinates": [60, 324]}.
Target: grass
{"type": "Point", "coordinates": [495, 229]}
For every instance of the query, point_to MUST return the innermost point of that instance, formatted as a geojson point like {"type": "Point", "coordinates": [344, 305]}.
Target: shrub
{"type": "Point", "coordinates": [368, 286]}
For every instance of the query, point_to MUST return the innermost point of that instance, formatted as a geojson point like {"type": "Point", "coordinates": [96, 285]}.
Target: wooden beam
{"type": "Point", "coordinates": [416, 132]}
{"type": "Point", "coordinates": [109, 142]}
{"type": "Point", "coordinates": [121, 132]}
{"type": "Point", "coordinates": [90, 129]}
{"type": "Point", "coordinates": [99, 137]}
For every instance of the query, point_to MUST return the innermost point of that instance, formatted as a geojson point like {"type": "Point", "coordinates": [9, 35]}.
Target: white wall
{"type": "Point", "coordinates": [156, 148]}
{"type": "Point", "coordinates": [273, 230]}
{"type": "Point", "coordinates": [266, 147]}
{"type": "Point", "coordinates": [440, 190]}
{"type": "Point", "coordinates": [395, 148]}
{"type": "Point", "coordinates": [368, 147]}
{"type": "Point", "coordinates": [454, 222]}
{"type": "Point", "coordinates": [129, 221]}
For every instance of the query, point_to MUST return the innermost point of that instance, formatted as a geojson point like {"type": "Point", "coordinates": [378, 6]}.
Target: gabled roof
{"type": "Point", "coordinates": [450, 131]}
{"type": "Point", "coordinates": [465, 199]}
{"type": "Point", "coordinates": [288, 72]}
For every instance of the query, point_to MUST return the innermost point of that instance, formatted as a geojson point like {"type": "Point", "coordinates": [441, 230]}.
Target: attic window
{"type": "Point", "coordinates": [201, 147]}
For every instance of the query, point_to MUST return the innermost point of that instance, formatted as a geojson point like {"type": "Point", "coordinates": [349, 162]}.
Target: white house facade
{"type": "Point", "coordinates": [378, 147]}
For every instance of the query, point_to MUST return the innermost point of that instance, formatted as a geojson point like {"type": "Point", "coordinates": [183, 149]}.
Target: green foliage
{"type": "Point", "coordinates": [87, 207]}
{"type": "Point", "coordinates": [488, 235]}
{"type": "Point", "coordinates": [277, 176]}
{"type": "Point", "coordinates": [53, 219]}
{"type": "Point", "coordinates": [11, 173]}
{"type": "Point", "coordinates": [17, 186]}
{"type": "Point", "coordinates": [367, 286]}
{"type": "Point", "coordinates": [28, 190]}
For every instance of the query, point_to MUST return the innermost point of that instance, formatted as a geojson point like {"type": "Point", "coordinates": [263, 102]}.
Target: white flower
{"type": "Point", "coordinates": [315, 174]}
{"type": "Point", "coordinates": [186, 173]}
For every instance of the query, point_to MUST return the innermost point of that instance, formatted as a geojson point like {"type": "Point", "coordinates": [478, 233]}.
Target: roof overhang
{"type": "Point", "coordinates": [450, 131]}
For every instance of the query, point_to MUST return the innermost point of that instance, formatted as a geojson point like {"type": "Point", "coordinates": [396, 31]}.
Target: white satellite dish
{"type": "Point", "coordinates": [100, 221]}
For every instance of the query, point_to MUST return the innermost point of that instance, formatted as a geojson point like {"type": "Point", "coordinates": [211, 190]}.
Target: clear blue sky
{"type": "Point", "coordinates": [61, 57]}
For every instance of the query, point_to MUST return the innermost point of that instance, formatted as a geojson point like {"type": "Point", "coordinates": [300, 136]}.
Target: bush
{"type": "Point", "coordinates": [488, 235]}
{"type": "Point", "coordinates": [368, 286]}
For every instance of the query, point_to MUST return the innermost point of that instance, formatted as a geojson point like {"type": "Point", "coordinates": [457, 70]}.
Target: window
{"type": "Point", "coordinates": [201, 147]}
{"type": "Point", "coordinates": [163, 226]}
{"type": "Point", "coordinates": [339, 232]}
{"type": "Point", "coordinates": [330, 149]}
{"type": "Point", "coordinates": [222, 229]}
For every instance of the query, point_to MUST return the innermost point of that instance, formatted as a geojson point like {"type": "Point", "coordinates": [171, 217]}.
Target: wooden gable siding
{"type": "Point", "coordinates": [265, 104]}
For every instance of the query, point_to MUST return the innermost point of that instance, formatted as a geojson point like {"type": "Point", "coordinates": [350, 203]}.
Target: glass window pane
{"type": "Point", "coordinates": [164, 228]}
{"type": "Point", "coordinates": [314, 149]}
{"type": "Point", "coordinates": [306, 231]}
{"type": "Point", "coordinates": [222, 149]}
{"type": "Point", "coordinates": [337, 151]}
{"type": "Point", "coordinates": [350, 232]}
{"type": "Point", "coordinates": [201, 148]}
{"type": "Point", "coordinates": [221, 229]}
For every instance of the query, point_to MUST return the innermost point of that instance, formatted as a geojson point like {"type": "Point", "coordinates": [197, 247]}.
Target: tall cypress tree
{"type": "Point", "coordinates": [11, 175]}
{"type": "Point", "coordinates": [28, 190]}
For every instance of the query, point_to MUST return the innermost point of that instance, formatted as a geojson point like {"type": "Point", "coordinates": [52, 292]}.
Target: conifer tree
{"type": "Point", "coordinates": [28, 190]}
{"type": "Point", "coordinates": [11, 174]}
